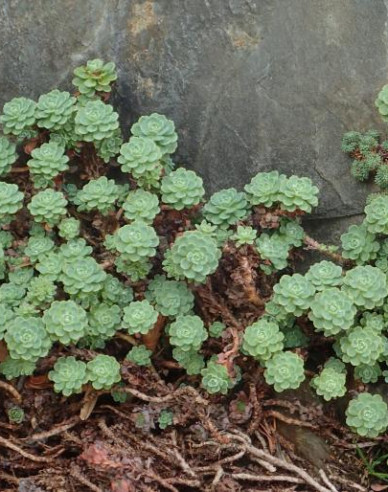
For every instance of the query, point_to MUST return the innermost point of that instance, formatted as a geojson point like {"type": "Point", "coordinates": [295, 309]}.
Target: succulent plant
{"type": "Point", "coordinates": [274, 248]}
{"type": "Point", "coordinates": [285, 370]}
{"type": "Point", "coordinates": [359, 170]}
{"type": "Point", "coordinates": [191, 361]}
{"type": "Point", "coordinates": [350, 141]}
{"type": "Point", "coordinates": [139, 317]}
{"type": "Point", "coordinates": [38, 247]}
{"type": "Point", "coordinates": [48, 206]}
{"type": "Point", "coordinates": [298, 194]}
{"type": "Point", "coordinates": [292, 231]}
{"type": "Point", "coordinates": [140, 355]}
{"type": "Point", "coordinates": [8, 155]}
{"type": "Point", "coordinates": [13, 368]}
{"type": "Point", "coordinates": [361, 346]}
{"type": "Point", "coordinates": [366, 286]}
{"type": "Point", "coordinates": [139, 156]}
{"type": "Point", "coordinates": [6, 239]}
{"type": "Point", "coordinates": [376, 215]}
{"type": "Point", "coordinates": [50, 265]}
{"type": "Point", "coordinates": [96, 121]}
{"type": "Point", "coordinates": [244, 235]}
{"type": "Point", "coordinates": [68, 375]}
{"type": "Point", "coordinates": [158, 128]}
{"type": "Point", "coordinates": [187, 332]}
{"type": "Point", "coordinates": [367, 373]}
{"type": "Point", "coordinates": [41, 290]}
{"type": "Point", "coordinates": [294, 337]}
{"type": "Point", "coordinates": [21, 276]}
{"type": "Point", "coordinates": [11, 294]}
{"type": "Point", "coordinates": [65, 322]}
{"type": "Point", "coordinates": [193, 256]}
{"type": "Point", "coordinates": [134, 270]}
{"type": "Point", "coordinates": [104, 320]}
{"type": "Point", "coordinates": [216, 329]}
{"type": "Point", "coordinates": [54, 109]}
{"type": "Point", "coordinates": [46, 163]}
{"type": "Point", "coordinates": [95, 76]}
{"type": "Point", "coordinates": [329, 383]}
{"type": "Point", "coordinates": [141, 205]}
{"type": "Point", "coordinates": [15, 414]}
{"type": "Point", "coordinates": [367, 415]}
{"type": "Point", "coordinates": [226, 207]}
{"type": "Point", "coordinates": [381, 177]}
{"type": "Point", "coordinates": [69, 228]}
{"type": "Point", "coordinates": [27, 339]}
{"type": "Point", "coordinates": [6, 314]}
{"type": "Point", "coordinates": [382, 103]}
{"type": "Point", "coordinates": [359, 245]}
{"type": "Point", "coordinates": [335, 364]}
{"type": "Point", "coordinates": [109, 147]}
{"type": "Point", "coordinates": [262, 339]}
{"type": "Point", "coordinates": [166, 418]}
{"type": "Point", "coordinates": [18, 115]}
{"type": "Point", "coordinates": [82, 276]}
{"type": "Point", "coordinates": [264, 188]}
{"type": "Point", "coordinates": [182, 189]}
{"type": "Point", "coordinates": [332, 311]}
{"type": "Point", "coordinates": [294, 293]}
{"type": "Point", "coordinates": [74, 249]}
{"type": "Point", "coordinates": [137, 241]}
{"type": "Point", "coordinates": [103, 371]}
{"type": "Point", "coordinates": [324, 274]}
{"type": "Point", "coordinates": [374, 321]}
{"type": "Point", "coordinates": [215, 378]}
{"type": "Point", "coordinates": [98, 194]}
{"type": "Point", "coordinates": [114, 292]}
{"type": "Point", "coordinates": [11, 201]}
{"type": "Point", "coordinates": [172, 298]}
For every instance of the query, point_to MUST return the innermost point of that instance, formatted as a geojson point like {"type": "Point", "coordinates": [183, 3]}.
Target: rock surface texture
{"type": "Point", "coordinates": [252, 85]}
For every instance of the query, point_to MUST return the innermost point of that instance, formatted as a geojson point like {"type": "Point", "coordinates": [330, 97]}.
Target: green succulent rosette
{"type": "Point", "coordinates": [99, 194]}
{"type": "Point", "coordinates": [137, 241]}
{"type": "Point", "coordinates": [95, 121]}
{"type": "Point", "coordinates": [332, 311]}
{"type": "Point", "coordinates": [262, 339]}
{"type": "Point", "coordinates": [14, 368]}
{"type": "Point", "coordinates": [361, 346]}
{"type": "Point", "coordinates": [18, 115]}
{"type": "Point", "coordinates": [294, 337]}
{"type": "Point", "coordinates": [182, 189]}
{"type": "Point", "coordinates": [367, 415]}
{"type": "Point", "coordinates": [141, 205]}
{"type": "Point", "coordinates": [376, 215]}
{"type": "Point", "coordinates": [103, 372]}
{"type": "Point", "coordinates": [264, 188]}
{"type": "Point", "coordinates": [104, 320]}
{"type": "Point", "coordinates": [140, 355]}
{"type": "Point", "coordinates": [65, 136]}
{"type": "Point", "coordinates": [41, 291]}
{"type": "Point", "coordinates": [11, 201]}
{"type": "Point", "coordinates": [54, 109]}
{"type": "Point", "coordinates": [292, 231]}
{"type": "Point", "coordinates": [69, 228]}
{"type": "Point", "coordinates": [335, 364]}
{"type": "Point", "coordinates": [6, 314]}
{"type": "Point", "coordinates": [65, 321]}
{"type": "Point", "coordinates": [109, 147]}
{"type": "Point", "coordinates": [368, 374]}
{"type": "Point", "coordinates": [95, 76]}
{"type": "Point", "coordinates": [68, 375]}
{"type": "Point", "coordinates": [298, 194]}
{"type": "Point", "coordinates": [191, 361]}
{"type": "Point", "coordinates": [48, 206]}
{"type": "Point", "coordinates": [166, 418]}
{"type": "Point", "coordinates": [27, 339]}
{"type": "Point", "coordinates": [285, 370]}
{"type": "Point", "coordinates": [329, 384]}
{"type": "Point", "coordinates": [381, 103]}
{"type": "Point", "coordinates": [46, 163]}
{"type": "Point", "coordinates": [274, 248]}
{"type": "Point", "coordinates": [82, 276]}
{"type": "Point", "coordinates": [139, 317]}
{"type": "Point", "coordinates": [215, 378]}
{"type": "Point", "coordinates": [171, 298]}
{"type": "Point", "coordinates": [187, 332]}
{"type": "Point", "coordinates": [359, 245]}
{"type": "Point", "coordinates": [20, 275]}
{"type": "Point", "coordinates": [6, 239]}
{"type": "Point", "coordinates": [50, 265]}
{"type": "Point", "coordinates": [158, 128]}
{"type": "Point", "coordinates": [374, 321]}
{"type": "Point", "coordinates": [8, 155]}
{"type": "Point", "coordinates": [244, 235]}
{"type": "Point", "coordinates": [38, 247]}
{"type": "Point", "coordinates": [114, 292]}
{"type": "Point", "coordinates": [140, 156]}
{"type": "Point", "coordinates": [366, 286]}
{"type": "Point", "coordinates": [134, 270]}
{"type": "Point", "coordinates": [15, 414]}
{"type": "Point", "coordinates": [226, 207]}
{"type": "Point", "coordinates": [11, 294]}
{"type": "Point", "coordinates": [325, 274]}
{"type": "Point", "coordinates": [350, 141]}
{"type": "Point", "coordinates": [294, 293]}
{"type": "Point", "coordinates": [75, 249]}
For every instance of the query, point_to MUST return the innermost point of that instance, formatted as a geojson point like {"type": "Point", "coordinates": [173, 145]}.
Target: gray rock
{"type": "Point", "coordinates": [252, 85]}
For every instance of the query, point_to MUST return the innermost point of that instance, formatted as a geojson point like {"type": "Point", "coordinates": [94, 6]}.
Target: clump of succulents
{"type": "Point", "coordinates": [65, 321]}
{"type": "Point", "coordinates": [11, 201]}
{"type": "Point", "coordinates": [187, 332]}
{"type": "Point", "coordinates": [294, 293]}
{"type": "Point", "coordinates": [95, 76]}
{"type": "Point", "coordinates": [284, 370]}
{"type": "Point", "coordinates": [54, 109]}
{"type": "Point", "coordinates": [367, 415]}
{"type": "Point", "coordinates": [140, 156]}
{"type": "Point", "coordinates": [182, 189]}
{"type": "Point", "coordinates": [140, 355]}
{"type": "Point", "coordinates": [226, 207]}
{"type": "Point", "coordinates": [18, 115]}
{"type": "Point", "coordinates": [141, 205]}
{"type": "Point", "coordinates": [361, 346]}
{"type": "Point", "coordinates": [68, 375]}
{"type": "Point", "coordinates": [27, 339]}
{"type": "Point", "coordinates": [325, 274]}
{"type": "Point", "coordinates": [48, 206]}
{"type": "Point", "coordinates": [139, 317]}
{"type": "Point", "coordinates": [330, 383]}
{"type": "Point", "coordinates": [103, 371]}
{"type": "Point", "coordinates": [366, 286]}
{"type": "Point", "coordinates": [262, 339]}
{"type": "Point", "coordinates": [99, 194]}
{"type": "Point", "coordinates": [274, 248]}
{"type": "Point", "coordinates": [136, 241]}
{"type": "Point", "coordinates": [215, 378]}
{"type": "Point", "coordinates": [244, 235]}
{"type": "Point", "coordinates": [159, 129]}
{"type": "Point", "coordinates": [95, 121]}
{"type": "Point", "coordinates": [46, 163]}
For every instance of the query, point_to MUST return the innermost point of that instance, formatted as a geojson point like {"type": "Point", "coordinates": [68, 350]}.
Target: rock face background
{"type": "Point", "coordinates": [252, 85]}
